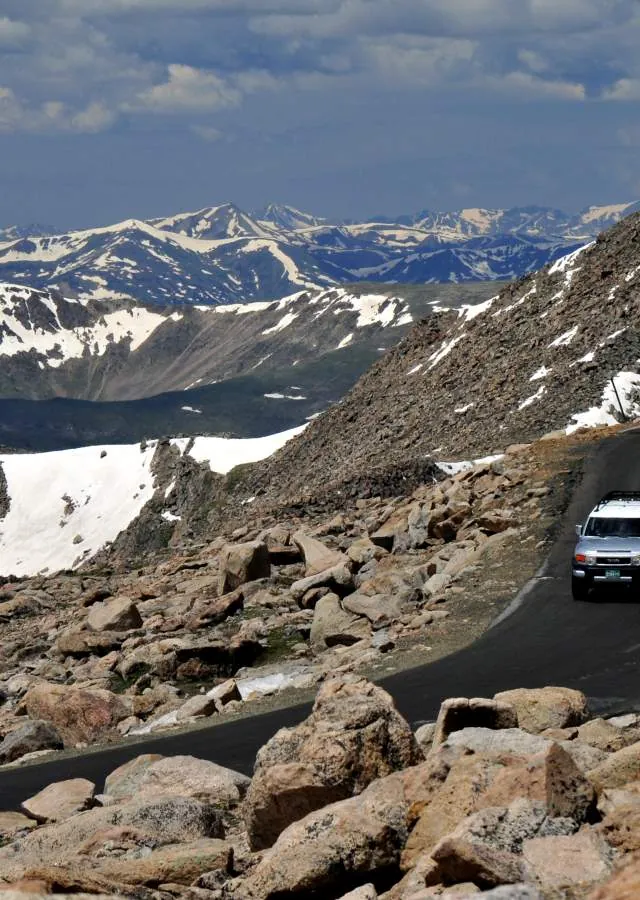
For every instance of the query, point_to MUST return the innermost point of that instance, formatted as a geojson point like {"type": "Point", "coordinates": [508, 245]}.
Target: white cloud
{"type": "Point", "coordinates": [188, 89]}
{"type": "Point", "coordinates": [51, 116]}
{"type": "Point", "coordinates": [207, 133]}
{"type": "Point", "coordinates": [12, 32]}
{"type": "Point", "coordinates": [525, 83]}
{"type": "Point", "coordinates": [96, 117]}
{"type": "Point", "coordinates": [624, 89]}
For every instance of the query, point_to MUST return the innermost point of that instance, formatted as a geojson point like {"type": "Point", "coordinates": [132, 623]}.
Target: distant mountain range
{"type": "Point", "coordinates": [221, 254]}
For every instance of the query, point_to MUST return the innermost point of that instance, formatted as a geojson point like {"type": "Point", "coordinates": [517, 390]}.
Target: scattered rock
{"type": "Point", "coordinates": [29, 738]}
{"type": "Point", "coordinates": [120, 614]}
{"type": "Point", "coordinates": [317, 557]}
{"type": "Point", "coordinates": [241, 563]}
{"type": "Point", "coordinates": [60, 800]}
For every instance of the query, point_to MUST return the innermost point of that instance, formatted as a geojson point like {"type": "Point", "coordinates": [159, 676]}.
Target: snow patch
{"type": "Point", "coordinates": [565, 339]}
{"type": "Point", "coordinates": [542, 372]}
{"type": "Point", "coordinates": [607, 412]}
{"type": "Point", "coordinates": [539, 394]}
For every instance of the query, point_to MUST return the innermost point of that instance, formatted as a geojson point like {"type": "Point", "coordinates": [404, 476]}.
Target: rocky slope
{"type": "Point", "coordinates": [524, 796]}
{"type": "Point", "coordinates": [538, 357]}
{"type": "Point", "coordinates": [221, 254]}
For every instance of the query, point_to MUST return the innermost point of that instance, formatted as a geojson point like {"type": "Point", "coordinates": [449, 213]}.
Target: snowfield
{"type": "Point", "coordinates": [65, 506]}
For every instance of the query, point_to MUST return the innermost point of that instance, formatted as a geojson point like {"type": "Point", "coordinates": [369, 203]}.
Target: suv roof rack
{"type": "Point", "coordinates": [618, 495]}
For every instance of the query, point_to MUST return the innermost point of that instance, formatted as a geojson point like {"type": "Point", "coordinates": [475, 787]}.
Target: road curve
{"type": "Point", "coordinates": [548, 639]}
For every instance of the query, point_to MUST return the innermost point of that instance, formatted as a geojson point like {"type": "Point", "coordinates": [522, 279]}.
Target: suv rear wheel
{"type": "Point", "coordinates": [579, 588]}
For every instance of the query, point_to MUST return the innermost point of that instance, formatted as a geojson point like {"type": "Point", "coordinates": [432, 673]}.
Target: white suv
{"type": "Point", "coordinates": [608, 548]}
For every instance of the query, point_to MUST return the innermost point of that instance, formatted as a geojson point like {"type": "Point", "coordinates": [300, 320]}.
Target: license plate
{"type": "Point", "coordinates": [612, 573]}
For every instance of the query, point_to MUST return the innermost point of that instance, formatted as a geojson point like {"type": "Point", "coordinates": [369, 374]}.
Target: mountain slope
{"type": "Point", "coordinates": [538, 357]}
{"type": "Point", "coordinates": [118, 350]}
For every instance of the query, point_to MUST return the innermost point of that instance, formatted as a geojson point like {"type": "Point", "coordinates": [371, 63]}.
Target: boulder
{"type": "Point", "coordinates": [458, 713]}
{"type": "Point", "coordinates": [485, 848]}
{"type": "Point", "coordinates": [521, 743]}
{"type": "Point", "coordinates": [379, 609]}
{"type": "Point", "coordinates": [576, 862]}
{"type": "Point", "coordinates": [459, 794]}
{"type": "Point", "coordinates": [29, 738]}
{"type": "Point", "coordinates": [123, 782]}
{"type": "Point", "coordinates": [241, 563]}
{"type": "Point", "coordinates": [619, 769]}
{"type": "Point", "coordinates": [424, 736]}
{"type": "Point", "coordinates": [210, 612]}
{"type": "Point", "coordinates": [88, 643]}
{"type": "Point", "coordinates": [199, 706]}
{"type": "Point", "coordinates": [337, 848]}
{"type": "Point", "coordinates": [317, 557]}
{"type": "Point", "coordinates": [353, 736]}
{"type": "Point", "coordinates": [79, 715]}
{"type": "Point", "coordinates": [224, 693]}
{"type": "Point", "coordinates": [185, 776]}
{"type": "Point", "coordinates": [120, 614]}
{"type": "Point", "coordinates": [339, 579]}
{"type": "Point", "coordinates": [161, 821]}
{"type": "Point", "coordinates": [363, 550]}
{"type": "Point", "coordinates": [603, 735]}
{"type": "Point", "coordinates": [180, 864]}
{"type": "Point", "coordinates": [60, 800]}
{"type": "Point", "coordinates": [548, 707]}
{"type": "Point", "coordinates": [333, 626]}
{"type": "Point", "coordinates": [621, 826]}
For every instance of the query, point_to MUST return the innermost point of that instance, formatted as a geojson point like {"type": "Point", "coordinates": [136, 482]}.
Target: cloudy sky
{"type": "Point", "coordinates": [118, 108]}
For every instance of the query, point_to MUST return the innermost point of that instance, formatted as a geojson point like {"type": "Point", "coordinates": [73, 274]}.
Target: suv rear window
{"type": "Point", "coordinates": [597, 527]}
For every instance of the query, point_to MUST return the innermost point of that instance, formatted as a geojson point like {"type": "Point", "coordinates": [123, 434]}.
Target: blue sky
{"type": "Point", "coordinates": [118, 108]}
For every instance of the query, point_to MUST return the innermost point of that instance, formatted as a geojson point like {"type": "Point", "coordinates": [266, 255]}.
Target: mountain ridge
{"type": "Point", "coordinates": [221, 254]}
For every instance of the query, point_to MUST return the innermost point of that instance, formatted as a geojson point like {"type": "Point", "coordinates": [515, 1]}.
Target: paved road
{"type": "Point", "coordinates": [548, 639]}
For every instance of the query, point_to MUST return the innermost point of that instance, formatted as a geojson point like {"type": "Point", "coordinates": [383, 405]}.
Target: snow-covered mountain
{"type": "Point", "coordinates": [221, 254]}
{"type": "Point", "coordinates": [51, 345]}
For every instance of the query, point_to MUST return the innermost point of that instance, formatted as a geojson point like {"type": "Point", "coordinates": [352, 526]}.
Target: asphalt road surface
{"type": "Point", "coordinates": [548, 639]}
